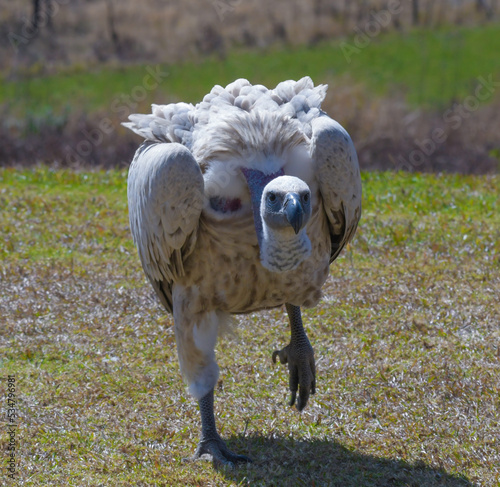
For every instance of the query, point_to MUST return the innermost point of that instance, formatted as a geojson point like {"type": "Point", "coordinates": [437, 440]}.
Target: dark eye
{"type": "Point", "coordinates": [272, 197]}
{"type": "Point", "coordinates": [306, 197]}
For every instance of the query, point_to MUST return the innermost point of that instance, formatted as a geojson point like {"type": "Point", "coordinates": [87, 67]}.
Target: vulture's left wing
{"type": "Point", "coordinates": [338, 176]}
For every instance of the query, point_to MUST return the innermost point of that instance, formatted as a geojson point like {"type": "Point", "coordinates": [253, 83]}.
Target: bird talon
{"type": "Point", "coordinates": [275, 353]}
{"type": "Point", "coordinates": [219, 453]}
{"type": "Point", "coordinates": [282, 354]}
{"type": "Point", "coordinates": [302, 374]}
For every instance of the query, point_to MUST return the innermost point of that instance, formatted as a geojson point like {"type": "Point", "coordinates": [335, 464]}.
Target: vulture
{"type": "Point", "coordinates": [237, 204]}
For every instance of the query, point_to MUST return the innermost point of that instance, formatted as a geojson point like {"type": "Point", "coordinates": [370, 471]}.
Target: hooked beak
{"type": "Point", "coordinates": [293, 211]}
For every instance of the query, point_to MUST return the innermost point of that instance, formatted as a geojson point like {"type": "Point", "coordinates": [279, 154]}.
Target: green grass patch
{"type": "Point", "coordinates": [432, 66]}
{"type": "Point", "coordinates": [63, 214]}
{"type": "Point", "coordinates": [406, 342]}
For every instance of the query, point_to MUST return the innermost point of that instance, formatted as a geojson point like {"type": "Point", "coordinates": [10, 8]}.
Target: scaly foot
{"type": "Point", "coordinates": [217, 449]}
{"type": "Point", "coordinates": [299, 355]}
{"type": "Point", "coordinates": [211, 443]}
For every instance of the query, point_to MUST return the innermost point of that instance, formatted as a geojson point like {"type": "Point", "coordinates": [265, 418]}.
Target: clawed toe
{"type": "Point", "coordinates": [217, 449]}
{"type": "Point", "coordinates": [281, 354]}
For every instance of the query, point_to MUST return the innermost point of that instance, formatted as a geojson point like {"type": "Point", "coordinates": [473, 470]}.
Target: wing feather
{"type": "Point", "coordinates": [337, 172]}
{"type": "Point", "coordinates": [165, 198]}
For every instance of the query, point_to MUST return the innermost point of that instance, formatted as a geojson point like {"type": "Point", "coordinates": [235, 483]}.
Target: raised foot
{"type": "Point", "coordinates": [299, 356]}
{"type": "Point", "coordinates": [219, 452]}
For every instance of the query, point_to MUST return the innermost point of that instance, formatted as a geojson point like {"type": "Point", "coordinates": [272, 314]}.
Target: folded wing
{"type": "Point", "coordinates": [337, 172]}
{"type": "Point", "coordinates": [165, 198]}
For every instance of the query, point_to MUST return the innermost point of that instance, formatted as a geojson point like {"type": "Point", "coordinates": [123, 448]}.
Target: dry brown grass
{"type": "Point", "coordinates": [159, 31]}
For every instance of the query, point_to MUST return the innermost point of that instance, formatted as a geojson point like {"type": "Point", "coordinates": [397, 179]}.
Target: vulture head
{"type": "Point", "coordinates": [285, 205]}
{"type": "Point", "coordinates": [282, 209]}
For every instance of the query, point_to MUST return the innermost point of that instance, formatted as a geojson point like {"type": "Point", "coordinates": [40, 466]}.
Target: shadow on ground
{"type": "Point", "coordinates": [285, 462]}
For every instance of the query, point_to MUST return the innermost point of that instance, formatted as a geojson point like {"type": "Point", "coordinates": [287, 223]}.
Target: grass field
{"type": "Point", "coordinates": [406, 339]}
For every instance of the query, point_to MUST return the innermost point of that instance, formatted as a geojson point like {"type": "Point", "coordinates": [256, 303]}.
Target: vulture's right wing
{"type": "Point", "coordinates": [165, 199]}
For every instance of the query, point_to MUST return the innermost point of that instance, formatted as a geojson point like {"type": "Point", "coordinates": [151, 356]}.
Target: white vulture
{"type": "Point", "coordinates": [238, 204]}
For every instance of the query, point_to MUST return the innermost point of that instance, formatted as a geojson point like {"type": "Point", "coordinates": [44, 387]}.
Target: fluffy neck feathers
{"type": "Point", "coordinates": [282, 251]}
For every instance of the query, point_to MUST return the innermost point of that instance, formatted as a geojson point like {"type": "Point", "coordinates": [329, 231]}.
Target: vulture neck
{"type": "Point", "coordinates": [282, 250]}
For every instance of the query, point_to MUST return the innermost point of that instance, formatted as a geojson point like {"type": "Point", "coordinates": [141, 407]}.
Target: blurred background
{"type": "Point", "coordinates": [415, 82]}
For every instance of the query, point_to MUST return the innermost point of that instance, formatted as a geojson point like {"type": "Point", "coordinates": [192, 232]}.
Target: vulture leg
{"type": "Point", "coordinates": [299, 356]}
{"type": "Point", "coordinates": [211, 442]}
{"type": "Point", "coordinates": [196, 335]}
